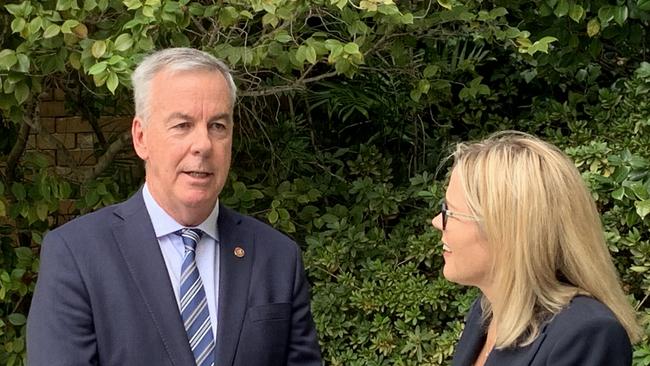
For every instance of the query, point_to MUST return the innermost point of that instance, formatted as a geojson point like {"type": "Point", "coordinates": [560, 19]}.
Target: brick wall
{"type": "Point", "coordinates": [75, 134]}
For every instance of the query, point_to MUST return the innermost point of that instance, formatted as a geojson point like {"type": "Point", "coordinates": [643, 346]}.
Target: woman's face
{"type": "Point", "coordinates": [465, 248]}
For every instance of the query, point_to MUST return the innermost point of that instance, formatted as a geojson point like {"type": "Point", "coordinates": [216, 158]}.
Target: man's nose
{"type": "Point", "coordinates": [201, 142]}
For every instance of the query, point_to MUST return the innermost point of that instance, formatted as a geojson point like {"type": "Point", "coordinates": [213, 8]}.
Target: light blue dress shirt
{"type": "Point", "coordinates": [173, 250]}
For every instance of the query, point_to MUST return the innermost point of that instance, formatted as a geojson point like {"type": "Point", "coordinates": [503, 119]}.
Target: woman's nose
{"type": "Point", "coordinates": [437, 221]}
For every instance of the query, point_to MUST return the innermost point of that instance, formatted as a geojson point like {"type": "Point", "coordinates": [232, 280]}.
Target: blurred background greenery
{"type": "Point", "coordinates": [346, 113]}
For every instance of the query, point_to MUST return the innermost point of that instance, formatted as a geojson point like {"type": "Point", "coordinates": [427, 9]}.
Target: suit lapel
{"type": "Point", "coordinates": [139, 247]}
{"type": "Point", "coordinates": [236, 260]}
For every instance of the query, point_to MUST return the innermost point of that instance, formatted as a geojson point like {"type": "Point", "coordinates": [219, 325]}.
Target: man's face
{"type": "Point", "coordinates": [186, 142]}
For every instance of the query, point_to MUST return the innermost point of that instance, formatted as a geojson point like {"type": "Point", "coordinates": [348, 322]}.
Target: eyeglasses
{"type": "Point", "coordinates": [446, 213]}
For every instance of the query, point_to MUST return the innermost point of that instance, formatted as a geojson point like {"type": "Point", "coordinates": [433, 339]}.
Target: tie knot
{"type": "Point", "coordinates": [190, 237]}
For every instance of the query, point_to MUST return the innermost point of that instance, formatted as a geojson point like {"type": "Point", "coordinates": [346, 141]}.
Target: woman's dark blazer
{"type": "Point", "coordinates": [585, 333]}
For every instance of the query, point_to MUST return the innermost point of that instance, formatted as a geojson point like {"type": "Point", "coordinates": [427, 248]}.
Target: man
{"type": "Point", "coordinates": [170, 277]}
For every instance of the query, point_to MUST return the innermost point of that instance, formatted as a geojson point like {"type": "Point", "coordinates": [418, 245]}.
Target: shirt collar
{"type": "Point", "coordinates": [163, 224]}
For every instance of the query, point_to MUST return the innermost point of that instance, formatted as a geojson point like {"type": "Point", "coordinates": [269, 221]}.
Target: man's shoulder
{"type": "Point", "coordinates": [96, 221]}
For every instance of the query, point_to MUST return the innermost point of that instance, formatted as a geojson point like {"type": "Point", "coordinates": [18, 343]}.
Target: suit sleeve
{"type": "Point", "coordinates": [600, 342]}
{"type": "Point", "coordinates": [303, 344]}
{"type": "Point", "coordinates": [60, 326]}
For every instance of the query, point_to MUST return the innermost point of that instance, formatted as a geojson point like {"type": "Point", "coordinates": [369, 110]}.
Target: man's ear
{"type": "Point", "coordinates": [139, 140]}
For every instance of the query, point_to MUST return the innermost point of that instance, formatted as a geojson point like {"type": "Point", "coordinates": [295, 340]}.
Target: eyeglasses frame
{"type": "Point", "coordinates": [447, 213]}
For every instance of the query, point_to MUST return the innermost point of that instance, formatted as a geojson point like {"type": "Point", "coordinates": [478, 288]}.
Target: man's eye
{"type": "Point", "coordinates": [182, 125]}
{"type": "Point", "coordinates": [218, 126]}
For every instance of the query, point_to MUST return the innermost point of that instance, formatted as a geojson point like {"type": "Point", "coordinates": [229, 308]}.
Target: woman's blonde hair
{"type": "Point", "coordinates": [544, 231]}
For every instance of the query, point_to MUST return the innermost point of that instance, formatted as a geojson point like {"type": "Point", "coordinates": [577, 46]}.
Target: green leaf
{"type": "Point", "coordinates": [619, 193]}
{"type": "Point", "coordinates": [18, 190]}
{"type": "Point", "coordinates": [16, 9]}
{"type": "Point", "coordinates": [620, 15]}
{"type": "Point", "coordinates": [542, 44]}
{"type": "Point", "coordinates": [606, 13]}
{"type": "Point", "coordinates": [301, 53]}
{"type": "Point", "coordinates": [424, 86]}
{"type": "Point", "coordinates": [640, 191]}
{"type": "Point", "coordinates": [51, 31]}
{"type": "Point", "coordinates": [123, 42]}
{"type": "Point", "coordinates": [17, 319]}
{"type": "Point", "coordinates": [89, 4]}
{"type": "Point", "coordinates": [112, 82]}
{"type": "Point", "coordinates": [273, 216]}
{"type": "Point", "coordinates": [498, 12]}
{"type": "Point", "coordinates": [41, 211]}
{"type": "Point", "coordinates": [644, 5]}
{"type": "Point", "coordinates": [562, 8]}
{"type": "Point", "coordinates": [3, 209]}
{"type": "Point", "coordinates": [21, 92]}
{"type": "Point", "coordinates": [7, 59]}
{"type": "Point", "coordinates": [147, 11]}
{"type": "Point", "coordinates": [133, 4]}
{"type": "Point", "coordinates": [23, 63]}
{"type": "Point", "coordinates": [97, 68]}
{"type": "Point", "coordinates": [91, 198]}
{"type": "Point", "coordinates": [415, 95]}
{"type": "Point", "coordinates": [63, 5]}
{"type": "Point", "coordinates": [639, 269]}
{"type": "Point", "coordinates": [642, 208]}
{"type": "Point", "coordinates": [445, 4]}
{"type": "Point", "coordinates": [98, 49]}
{"type": "Point", "coordinates": [270, 19]}
{"type": "Point", "coordinates": [593, 27]}
{"type": "Point", "coordinates": [17, 25]}
{"type": "Point", "coordinates": [283, 36]}
{"type": "Point", "coordinates": [310, 54]}
{"type": "Point", "coordinates": [35, 25]}
{"type": "Point", "coordinates": [351, 48]}
{"type": "Point", "coordinates": [68, 25]}
{"type": "Point", "coordinates": [576, 13]}
{"type": "Point", "coordinates": [431, 71]}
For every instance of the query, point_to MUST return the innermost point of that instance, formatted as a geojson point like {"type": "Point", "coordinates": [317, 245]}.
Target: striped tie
{"type": "Point", "coordinates": [194, 306]}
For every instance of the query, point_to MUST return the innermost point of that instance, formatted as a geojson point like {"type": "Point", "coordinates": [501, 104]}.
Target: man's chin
{"type": "Point", "coordinates": [200, 200]}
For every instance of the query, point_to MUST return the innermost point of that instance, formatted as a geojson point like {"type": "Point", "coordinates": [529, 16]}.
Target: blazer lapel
{"type": "Point", "coordinates": [472, 339]}
{"type": "Point", "coordinates": [236, 260]}
{"type": "Point", "coordinates": [139, 247]}
{"type": "Point", "coordinates": [517, 356]}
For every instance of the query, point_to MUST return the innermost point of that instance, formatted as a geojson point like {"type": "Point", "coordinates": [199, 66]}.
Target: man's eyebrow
{"type": "Point", "coordinates": [178, 115]}
{"type": "Point", "coordinates": [221, 116]}
{"type": "Point", "coordinates": [187, 117]}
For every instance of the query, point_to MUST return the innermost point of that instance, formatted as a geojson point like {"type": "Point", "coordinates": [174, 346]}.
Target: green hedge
{"type": "Point", "coordinates": [348, 109]}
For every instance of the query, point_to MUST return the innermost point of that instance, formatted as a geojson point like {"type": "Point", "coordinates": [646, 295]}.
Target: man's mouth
{"type": "Point", "coordinates": [197, 174]}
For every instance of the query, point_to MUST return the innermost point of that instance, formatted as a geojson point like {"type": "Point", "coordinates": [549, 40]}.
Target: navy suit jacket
{"type": "Point", "coordinates": [585, 333]}
{"type": "Point", "coordinates": [104, 297]}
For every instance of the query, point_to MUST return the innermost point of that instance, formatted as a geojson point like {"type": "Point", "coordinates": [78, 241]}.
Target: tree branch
{"type": "Point", "coordinates": [17, 151]}
{"type": "Point", "coordinates": [297, 85]}
{"type": "Point", "coordinates": [106, 159]}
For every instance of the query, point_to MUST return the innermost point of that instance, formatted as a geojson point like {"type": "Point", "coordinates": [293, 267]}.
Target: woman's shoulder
{"type": "Point", "coordinates": [583, 310]}
{"type": "Point", "coordinates": [586, 332]}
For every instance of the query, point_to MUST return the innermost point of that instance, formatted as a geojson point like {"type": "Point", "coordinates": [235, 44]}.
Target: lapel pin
{"type": "Point", "coordinates": [239, 252]}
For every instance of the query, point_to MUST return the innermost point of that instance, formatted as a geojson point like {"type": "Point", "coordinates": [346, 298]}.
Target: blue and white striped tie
{"type": "Point", "coordinates": [194, 306]}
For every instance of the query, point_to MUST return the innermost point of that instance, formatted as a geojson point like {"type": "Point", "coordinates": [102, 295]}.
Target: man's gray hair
{"type": "Point", "coordinates": [174, 59]}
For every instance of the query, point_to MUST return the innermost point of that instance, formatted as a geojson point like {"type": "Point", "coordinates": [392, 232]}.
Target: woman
{"type": "Point", "coordinates": [519, 224]}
